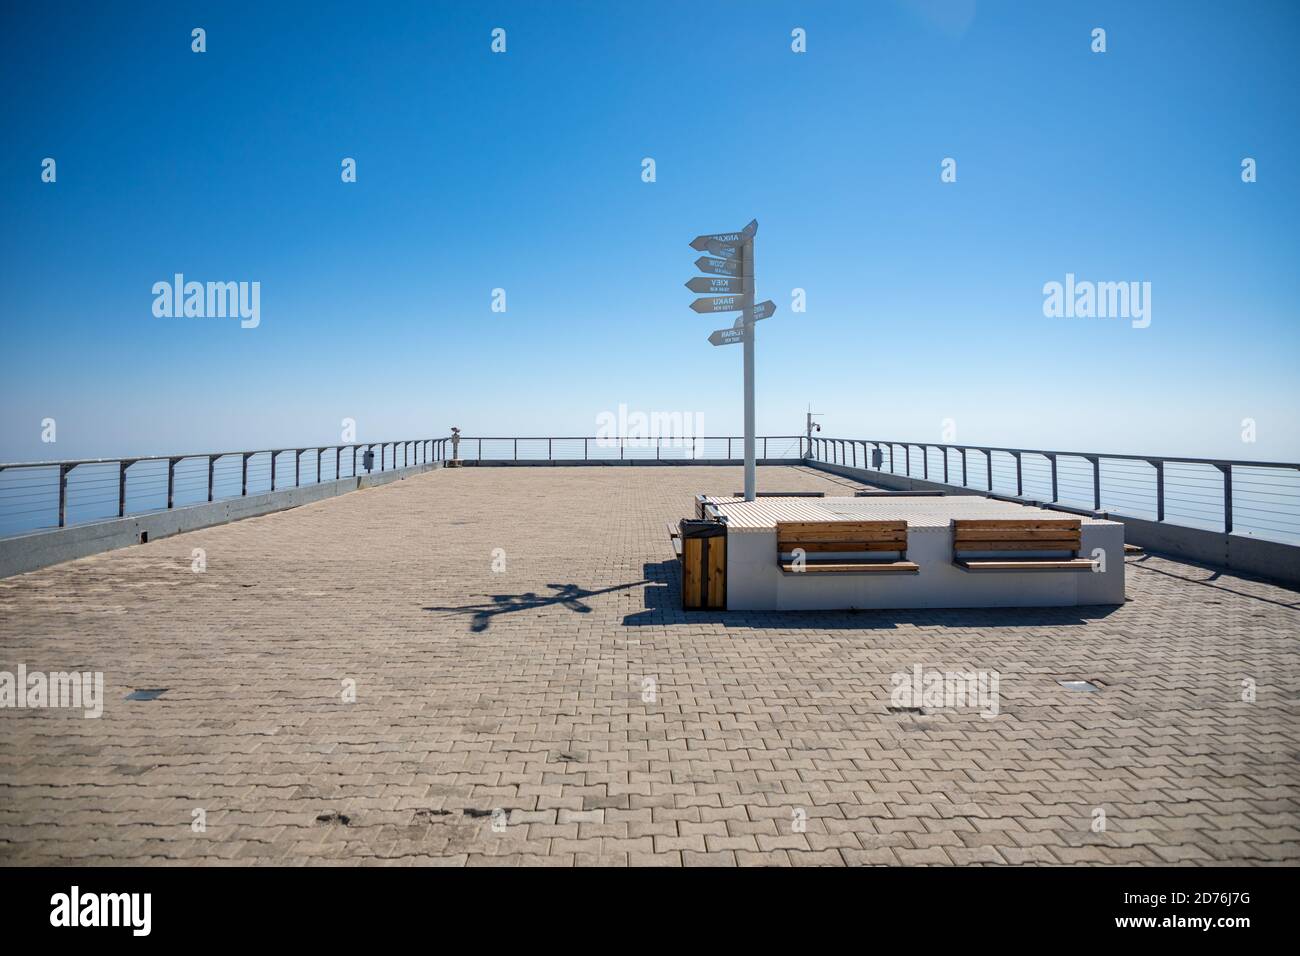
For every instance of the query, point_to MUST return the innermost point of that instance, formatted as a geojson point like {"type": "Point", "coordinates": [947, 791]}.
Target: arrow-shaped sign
{"type": "Point", "coordinates": [730, 238]}
{"type": "Point", "coordinates": [718, 284]}
{"type": "Point", "coordinates": [719, 303]}
{"type": "Point", "coordinates": [727, 336]}
{"type": "Point", "coordinates": [761, 311]}
{"type": "Point", "coordinates": [727, 250]}
{"type": "Point", "coordinates": [719, 267]}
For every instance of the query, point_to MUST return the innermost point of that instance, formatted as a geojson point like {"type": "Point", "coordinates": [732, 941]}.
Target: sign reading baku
{"type": "Point", "coordinates": [719, 303]}
{"type": "Point", "coordinates": [730, 264]}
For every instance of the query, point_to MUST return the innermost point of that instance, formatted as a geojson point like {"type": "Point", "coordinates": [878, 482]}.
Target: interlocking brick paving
{"type": "Point", "coordinates": [766, 741]}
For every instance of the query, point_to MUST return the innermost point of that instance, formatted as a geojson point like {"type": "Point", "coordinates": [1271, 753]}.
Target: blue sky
{"type": "Point", "coordinates": [523, 171]}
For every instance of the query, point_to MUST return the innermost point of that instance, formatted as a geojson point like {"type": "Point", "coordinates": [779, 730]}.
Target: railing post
{"type": "Point", "coordinates": [243, 473]}
{"type": "Point", "coordinates": [1055, 494]}
{"type": "Point", "coordinates": [658, 440]}
{"type": "Point", "coordinates": [620, 448]}
{"type": "Point", "coordinates": [273, 456]}
{"type": "Point", "coordinates": [212, 469]}
{"type": "Point", "coordinates": [988, 458]}
{"type": "Point", "coordinates": [764, 446]}
{"type": "Point", "coordinates": [354, 461]}
{"type": "Point", "coordinates": [963, 466]}
{"type": "Point", "coordinates": [584, 449]}
{"type": "Point", "coordinates": [907, 461]}
{"type": "Point", "coordinates": [944, 449]}
{"type": "Point", "coordinates": [1020, 485]}
{"type": "Point", "coordinates": [925, 462]}
{"type": "Point", "coordinates": [480, 449]}
{"type": "Point", "coordinates": [319, 453]}
{"type": "Point", "coordinates": [122, 466]}
{"type": "Point", "coordinates": [550, 450]}
{"type": "Point", "coordinates": [171, 481]}
{"type": "Point", "coordinates": [338, 462]}
{"type": "Point", "coordinates": [1160, 490]}
{"type": "Point", "coordinates": [1227, 497]}
{"type": "Point", "coordinates": [891, 457]}
{"type": "Point", "coordinates": [1096, 483]}
{"type": "Point", "coordinates": [63, 494]}
{"type": "Point", "coordinates": [516, 451]}
{"type": "Point", "coordinates": [297, 470]}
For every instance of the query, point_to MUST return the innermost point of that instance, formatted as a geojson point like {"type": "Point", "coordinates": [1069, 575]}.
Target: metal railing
{"type": "Point", "coordinates": [698, 448]}
{"type": "Point", "coordinates": [1252, 497]}
{"type": "Point", "coordinates": [1261, 498]}
{"type": "Point", "coordinates": [54, 494]}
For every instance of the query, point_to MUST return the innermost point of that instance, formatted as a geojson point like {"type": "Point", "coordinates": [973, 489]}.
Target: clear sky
{"type": "Point", "coordinates": [523, 171]}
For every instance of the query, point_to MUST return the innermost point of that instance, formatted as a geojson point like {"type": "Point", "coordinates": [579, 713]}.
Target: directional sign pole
{"type": "Point", "coordinates": [731, 264]}
{"type": "Point", "coordinates": [751, 327]}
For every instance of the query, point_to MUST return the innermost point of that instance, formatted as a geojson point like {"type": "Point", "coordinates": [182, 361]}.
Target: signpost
{"type": "Point", "coordinates": [728, 336]}
{"type": "Point", "coordinates": [719, 267]}
{"type": "Point", "coordinates": [718, 284]}
{"type": "Point", "coordinates": [731, 255]}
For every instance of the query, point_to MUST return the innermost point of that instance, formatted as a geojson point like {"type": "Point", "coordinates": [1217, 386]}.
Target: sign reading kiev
{"type": "Point", "coordinates": [730, 264]}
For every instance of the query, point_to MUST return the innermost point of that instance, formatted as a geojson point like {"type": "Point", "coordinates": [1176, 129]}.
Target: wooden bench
{"type": "Point", "coordinates": [839, 544]}
{"type": "Point", "coordinates": [1040, 536]}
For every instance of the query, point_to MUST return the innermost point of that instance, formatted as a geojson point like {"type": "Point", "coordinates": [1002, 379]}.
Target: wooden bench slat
{"type": "Point", "coordinates": [842, 534]}
{"type": "Point", "coordinates": [787, 546]}
{"type": "Point", "coordinates": [1016, 534]}
{"type": "Point", "coordinates": [999, 545]}
{"type": "Point", "coordinates": [835, 527]}
{"type": "Point", "coordinates": [1025, 564]}
{"type": "Point", "coordinates": [1010, 523]}
{"type": "Point", "coordinates": [852, 567]}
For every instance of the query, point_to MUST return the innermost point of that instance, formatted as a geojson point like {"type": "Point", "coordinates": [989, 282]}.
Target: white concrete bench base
{"type": "Point", "coordinates": [756, 581]}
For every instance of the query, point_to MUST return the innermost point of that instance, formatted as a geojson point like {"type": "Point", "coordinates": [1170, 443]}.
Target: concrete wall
{"type": "Point", "coordinates": [756, 583]}
{"type": "Point", "coordinates": [1271, 560]}
{"type": "Point", "coordinates": [40, 549]}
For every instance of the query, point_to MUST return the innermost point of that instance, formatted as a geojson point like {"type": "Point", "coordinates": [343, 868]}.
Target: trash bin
{"type": "Point", "coordinates": [704, 565]}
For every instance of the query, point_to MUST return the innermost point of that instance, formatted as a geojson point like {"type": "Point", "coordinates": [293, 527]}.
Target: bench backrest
{"type": "Point", "coordinates": [1016, 534]}
{"type": "Point", "coordinates": [813, 536]}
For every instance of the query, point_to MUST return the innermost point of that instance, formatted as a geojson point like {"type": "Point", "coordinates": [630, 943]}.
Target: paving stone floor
{"type": "Point", "coordinates": [562, 709]}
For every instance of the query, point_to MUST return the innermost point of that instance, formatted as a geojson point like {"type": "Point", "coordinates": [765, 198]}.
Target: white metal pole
{"type": "Point", "coordinates": [751, 328]}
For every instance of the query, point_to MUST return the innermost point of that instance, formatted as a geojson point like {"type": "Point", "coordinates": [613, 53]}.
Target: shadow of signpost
{"type": "Point", "coordinates": [569, 596]}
